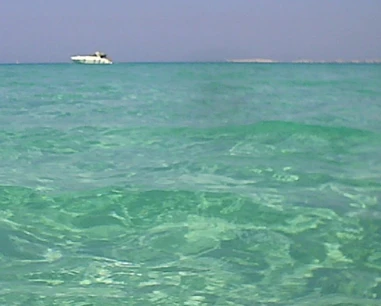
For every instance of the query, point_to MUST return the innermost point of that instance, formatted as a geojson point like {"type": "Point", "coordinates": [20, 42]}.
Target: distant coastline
{"type": "Point", "coordinates": [305, 61]}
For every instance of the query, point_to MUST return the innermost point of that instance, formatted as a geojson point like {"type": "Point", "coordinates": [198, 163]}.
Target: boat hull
{"type": "Point", "coordinates": [90, 60]}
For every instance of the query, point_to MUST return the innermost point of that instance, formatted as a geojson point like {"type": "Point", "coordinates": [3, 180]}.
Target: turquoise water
{"type": "Point", "coordinates": [190, 184]}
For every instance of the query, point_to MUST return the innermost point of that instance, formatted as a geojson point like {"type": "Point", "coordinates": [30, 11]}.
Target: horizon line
{"type": "Point", "coordinates": [236, 61]}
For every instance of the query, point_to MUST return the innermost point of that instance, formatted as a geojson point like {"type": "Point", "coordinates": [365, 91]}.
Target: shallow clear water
{"type": "Point", "coordinates": [190, 184]}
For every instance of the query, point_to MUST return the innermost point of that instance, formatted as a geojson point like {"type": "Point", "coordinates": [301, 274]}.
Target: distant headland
{"type": "Point", "coordinates": [305, 61]}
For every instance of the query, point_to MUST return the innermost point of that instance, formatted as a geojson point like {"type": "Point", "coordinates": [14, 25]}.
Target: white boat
{"type": "Point", "coordinates": [96, 58]}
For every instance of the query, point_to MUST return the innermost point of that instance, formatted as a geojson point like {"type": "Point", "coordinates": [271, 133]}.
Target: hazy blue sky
{"type": "Point", "coordinates": [189, 30]}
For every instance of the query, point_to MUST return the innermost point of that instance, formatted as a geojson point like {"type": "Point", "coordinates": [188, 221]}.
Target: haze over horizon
{"type": "Point", "coordinates": [172, 30]}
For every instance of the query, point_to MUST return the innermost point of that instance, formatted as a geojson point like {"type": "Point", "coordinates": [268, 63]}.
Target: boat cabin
{"type": "Point", "coordinates": [100, 54]}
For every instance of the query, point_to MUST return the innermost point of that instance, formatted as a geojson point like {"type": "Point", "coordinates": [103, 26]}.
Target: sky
{"type": "Point", "coordinates": [189, 30]}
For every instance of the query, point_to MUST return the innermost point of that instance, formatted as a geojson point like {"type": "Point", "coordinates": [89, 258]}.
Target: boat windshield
{"type": "Point", "coordinates": [99, 54]}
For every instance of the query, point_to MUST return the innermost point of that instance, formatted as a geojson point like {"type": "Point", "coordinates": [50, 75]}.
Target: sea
{"type": "Point", "coordinates": [190, 184]}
